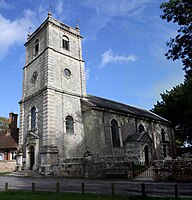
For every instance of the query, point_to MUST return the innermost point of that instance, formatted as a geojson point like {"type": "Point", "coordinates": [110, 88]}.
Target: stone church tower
{"type": "Point", "coordinates": [53, 85]}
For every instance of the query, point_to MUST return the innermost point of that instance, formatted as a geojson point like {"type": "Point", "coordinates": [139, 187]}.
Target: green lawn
{"type": "Point", "coordinates": [19, 195]}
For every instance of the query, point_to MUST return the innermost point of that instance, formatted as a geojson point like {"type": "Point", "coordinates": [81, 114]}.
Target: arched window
{"type": "Point", "coordinates": [141, 128]}
{"type": "Point", "coordinates": [33, 118]}
{"type": "Point", "coordinates": [65, 42]}
{"type": "Point", "coordinates": [69, 124]}
{"type": "Point", "coordinates": [36, 46]}
{"type": "Point", "coordinates": [163, 135]}
{"type": "Point", "coordinates": [115, 133]}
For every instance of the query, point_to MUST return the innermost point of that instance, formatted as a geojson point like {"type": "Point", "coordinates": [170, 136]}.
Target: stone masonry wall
{"type": "Point", "coordinates": [7, 166]}
{"type": "Point", "coordinates": [97, 125]}
{"type": "Point", "coordinates": [173, 170]}
{"type": "Point", "coordinates": [87, 168]}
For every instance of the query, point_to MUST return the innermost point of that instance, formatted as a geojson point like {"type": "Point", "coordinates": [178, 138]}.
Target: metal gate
{"type": "Point", "coordinates": [148, 174]}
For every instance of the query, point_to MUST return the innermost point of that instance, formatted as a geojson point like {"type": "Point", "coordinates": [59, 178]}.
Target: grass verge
{"type": "Point", "coordinates": [23, 195]}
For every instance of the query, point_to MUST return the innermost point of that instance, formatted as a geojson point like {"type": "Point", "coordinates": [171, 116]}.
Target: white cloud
{"type": "Point", "coordinates": [104, 12]}
{"type": "Point", "coordinates": [94, 25]}
{"type": "Point", "coordinates": [63, 11]}
{"type": "Point", "coordinates": [157, 50]}
{"type": "Point", "coordinates": [5, 5]}
{"type": "Point", "coordinates": [87, 73]}
{"type": "Point", "coordinates": [161, 35]}
{"type": "Point", "coordinates": [41, 14]}
{"type": "Point", "coordinates": [59, 7]}
{"type": "Point", "coordinates": [109, 57]}
{"type": "Point", "coordinates": [115, 8]}
{"type": "Point", "coordinates": [14, 32]}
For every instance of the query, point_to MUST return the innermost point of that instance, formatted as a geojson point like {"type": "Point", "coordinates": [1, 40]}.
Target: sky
{"type": "Point", "coordinates": [124, 42]}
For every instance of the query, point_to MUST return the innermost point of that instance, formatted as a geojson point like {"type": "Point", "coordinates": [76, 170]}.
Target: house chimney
{"type": "Point", "coordinates": [13, 120]}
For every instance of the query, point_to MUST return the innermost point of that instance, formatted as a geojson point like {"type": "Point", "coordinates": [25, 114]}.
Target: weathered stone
{"type": "Point", "coordinates": [175, 170]}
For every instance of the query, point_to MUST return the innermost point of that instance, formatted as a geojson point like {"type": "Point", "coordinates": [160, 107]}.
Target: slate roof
{"type": "Point", "coordinates": [132, 137]}
{"type": "Point", "coordinates": [8, 140]}
{"type": "Point", "coordinates": [120, 107]}
{"type": "Point", "coordinates": [136, 137]}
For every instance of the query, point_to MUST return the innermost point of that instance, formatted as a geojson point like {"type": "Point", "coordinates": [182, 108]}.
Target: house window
{"type": "Point", "coordinates": [115, 133]}
{"type": "Point", "coordinates": [33, 118]}
{"type": "Point", "coordinates": [69, 124]}
{"type": "Point", "coordinates": [36, 46]}
{"type": "Point", "coordinates": [141, 128]}
{"type": "Point", "coordinates": [13, 155]}
{"type": "Point", "coordinates": [1, 156]}
{"type": "Point", "coordinates": [65, 42]}
{"type": "Point", "coordinates": [163, 135]}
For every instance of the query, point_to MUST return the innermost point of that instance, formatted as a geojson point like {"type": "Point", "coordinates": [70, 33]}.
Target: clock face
{"type": "Point", "coordinates": [34, 76]}
{"type": "Point", "coordinates": [67, 72]}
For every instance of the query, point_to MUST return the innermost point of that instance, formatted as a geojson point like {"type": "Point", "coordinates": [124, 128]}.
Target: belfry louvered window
{"type": "Point", "coordinates": [36, 46]}
{"type": "Point", "coordinates": [65, 42]}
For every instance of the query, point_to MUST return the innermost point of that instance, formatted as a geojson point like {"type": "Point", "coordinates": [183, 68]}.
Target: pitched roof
{"type": "Point", "coordinates": [132, 137]}
{"type": "Point", "coordinates": [8, 140]}
{"type": "Point", "coordinates": [116, 106]}
{"type": "Point", "coordinates": [137, 137]}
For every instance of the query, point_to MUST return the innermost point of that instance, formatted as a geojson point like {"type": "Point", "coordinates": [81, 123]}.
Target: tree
{"type": "Point", "coordinates": [176, 106]}
{"type": "Point", "coordinates": [4, 123]}
{"type": "Point", "coordinates": [180, 12]}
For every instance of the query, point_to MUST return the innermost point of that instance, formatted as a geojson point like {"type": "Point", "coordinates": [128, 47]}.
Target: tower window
{"type": "Point", "coordinates": [34, 77]}
{"type": "Point", "coordinates": [33, 118]}
{"type": "Point", "coordinates": [36, 46]}
{"type": "Point", "coordinates": [115, 133]}
{"type": "Point", "coordinates": [69, 124]}
{"type": "Point", "coordinates": [67, 72]}
{"type": "Point", "coordinates": [65, 42]}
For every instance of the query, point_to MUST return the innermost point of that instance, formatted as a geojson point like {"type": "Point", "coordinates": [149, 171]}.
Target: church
{"type": "Point", "coordinates": [66, 132]}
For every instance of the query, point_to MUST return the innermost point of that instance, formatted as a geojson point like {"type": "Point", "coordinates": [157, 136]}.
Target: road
{"type": "Point", "coordinates": [97, 186]}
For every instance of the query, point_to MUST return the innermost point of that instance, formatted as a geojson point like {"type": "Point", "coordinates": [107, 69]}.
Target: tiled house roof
{"type": "Point", "coordinates": [8, 138]}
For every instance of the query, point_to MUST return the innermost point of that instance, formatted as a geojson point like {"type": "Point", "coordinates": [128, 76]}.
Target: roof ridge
{"type": "Point", "coordinates": [113, 101]}
{"type": "Point", "coordinates": [115, 105]}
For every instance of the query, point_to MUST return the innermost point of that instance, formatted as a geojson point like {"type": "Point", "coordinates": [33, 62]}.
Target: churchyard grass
{"type": "Point", "coordinates": [23, 195]}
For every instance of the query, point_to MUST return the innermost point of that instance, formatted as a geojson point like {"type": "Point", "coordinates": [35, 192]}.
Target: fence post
{"type": "Point", "coordinates": [112, 189]}
{"type": "Point", "coordinates": [83, 188]}
{"type": "Point", "coordinates": [58, 187]}
{"type": "Point", "coordinates": [143, 190]}
{"type": "Point", "coordinates": [33, 187]}
{"type": "Point", "coordinates": [176, 191]}
{"type": "Point", "coordinates": [6, 186]}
